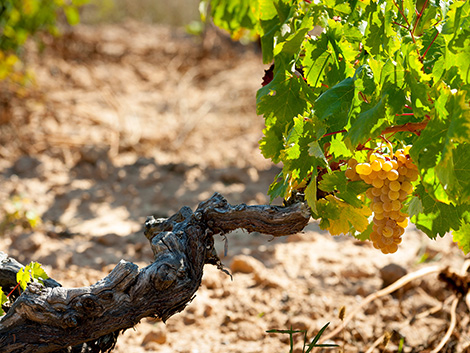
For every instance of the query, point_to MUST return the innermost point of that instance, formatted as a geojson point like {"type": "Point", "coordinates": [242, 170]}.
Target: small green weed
{"type": "Point", "coordinates": [18, 212]}
{"type": "Point", "coordinates": [307, 347]}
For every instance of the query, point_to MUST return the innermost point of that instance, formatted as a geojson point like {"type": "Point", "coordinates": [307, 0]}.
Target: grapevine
{"type": "Point", "coordinates": [343, 78]}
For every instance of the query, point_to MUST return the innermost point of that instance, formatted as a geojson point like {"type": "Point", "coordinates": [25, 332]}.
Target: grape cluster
{"type": "Point", "coordinates": [390, 177]}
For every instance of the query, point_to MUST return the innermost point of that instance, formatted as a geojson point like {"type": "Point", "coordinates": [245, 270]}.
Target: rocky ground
{"type": "Point", "coordinates": [135, 120]}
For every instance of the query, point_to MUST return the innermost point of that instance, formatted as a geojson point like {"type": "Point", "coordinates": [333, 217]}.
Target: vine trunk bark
{"type": "Point", "coordinates": [49, 318]}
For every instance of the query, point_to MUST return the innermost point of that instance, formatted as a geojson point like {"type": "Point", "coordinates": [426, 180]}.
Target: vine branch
{"type": "Point", "coordinates": [49, 318]}
{"type": "Point", "coordinates": [410, 127]}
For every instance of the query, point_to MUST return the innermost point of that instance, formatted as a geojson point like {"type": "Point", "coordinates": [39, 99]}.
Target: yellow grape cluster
{"type": "Point", "coordinates": [390, 177]}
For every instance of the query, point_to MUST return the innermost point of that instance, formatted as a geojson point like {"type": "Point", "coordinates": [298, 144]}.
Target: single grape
{"type": "Point", "coordinates": [387, 240]}
{"type": "Point", "coordinates": [350, 174]}
{"type": "Point", "coordinates": [392, 248]}
{"type": "Point", "coordinates": [402, 170]}
{"type": "Point", "coordinates": [376, 191]}
{"type": "Point", "coordinates": [374, 236]}
{"type": "Point", "coordinates": [401, 158]}
{"type": "Point", "coordinates": [380, 222]}
{"type": "Point", "coordinates": [387, 207]}
{"type": "Point", "coordinates": [397, 240]}
{"type": "Point", "coordinates": [376, 165]}
{"type": "Point", "coordinates": [387, 166]}
{"type": "Point", "coordinates": [395, 215]}
{"type": "Point", "coordinates": [403, 195]}
{"type": "Point", "coordinates": [412, 174]}
{"type": "Point", "coordinates": [384, 198]}
{"type": "Point", "coordinates": [407, 187]}
{"type": "Point", "coordinates": [352, 163]}
{"type": "Point", "coordinates": [363, 169]}
{"type": "Point", "coordinates": [379, 216]}
{"type": "Point", "coordinates": [396, 205]}
{"type": "Point", "coordinates": [393, 195]}
{"type": "Point", "coordinates": [392, 175]}
{"type": "Point", "coordinates": [373, 175]}
{"type": "Point", "coordinates": [410, 165]}
{"type": "Point", "coordinates": [377, 207]}
{"type": "Point", "coordinates": [394, 185]}
{"type": "Point", "coordinates": [387, 231]}
{"type": "Point", "coordinates": [382, 174]}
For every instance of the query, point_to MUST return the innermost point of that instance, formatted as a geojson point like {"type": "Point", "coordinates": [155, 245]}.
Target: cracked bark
{"type": "Point", "coordinates": [50, 318]}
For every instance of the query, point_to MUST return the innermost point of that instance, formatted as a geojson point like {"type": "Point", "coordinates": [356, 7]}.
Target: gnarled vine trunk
{"type": "Point", "coordinates": [50, 318]}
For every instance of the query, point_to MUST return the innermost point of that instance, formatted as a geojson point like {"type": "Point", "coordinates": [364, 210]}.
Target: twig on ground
{"type": "Point", "coordinates": [376, 343]}
{"type": "Point", "coordinates": [453, 323]}
{"type": "Point", "coordinates": [387, 290]}
{"type": "Point", "coordinates": [453, 313]}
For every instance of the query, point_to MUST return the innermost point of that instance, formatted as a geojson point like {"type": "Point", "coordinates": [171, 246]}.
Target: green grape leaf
{"type": "Point", "coordinates": [292, 151]}
{"type": "Point", "coordinates": [317, 58]}
{"type": "Point", "coordinates": [267, 10]}
{"type": "Point", "coordinates": [269, 30]}
{"type": "Point", "coordinates": [37, 272]}
{"type": "Point", "coordinates": [316, 151]}
{"type": "Point", "coordinates": [339, 149]}
{"type": "Point", "coordinates": [367, 124]}
{"type": "Point", "coordinates": [3, 300]}
{"type": "Point", "coordinates": [232, 16]}
{"type": "Point", "coordinates": [437, 217]}
{"type": "Point", "coordinates": [365, 235]}
{"type": "Point", "coordinates": [279, 187]}
{"type": "Point", "coordinates": [283, 98]}
{"type": "Point", "coordinates": [341, 218]}
{"type": "Point", "coordinates": [33, 271]}
{"type": "Point", "coordinates": [462, 235]}
{"type": "Point", "coordinates": [461, 157]}
{"type": "Point", "coordinates": [344, 189]}
{"type": "Point", "coordinates": [72, 14]}
{"type": "Point", "coordinates": [23, 277]}
{"type": "Point", "coordinates": [311, 194]}
{"type": "Point", "coordinates": [272, 143]}
{"type": "Point", "coordinates": [333, 106]}
{"type": "Point", "coordinates": [292, 44]}
{"type": "Point", "coordinates": [375, 32]}
{"type": "Point", "coordinates": [415, 207]}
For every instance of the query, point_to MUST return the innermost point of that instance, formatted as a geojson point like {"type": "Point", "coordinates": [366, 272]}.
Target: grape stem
{"type": "Point", "coordinates": [388, 143]}
{"type": "Point", "coordinates": [429, 46]}
{"type": "Point", "coordinates": [419, 16]}
{"type": "Point", "coordinates": [17, 285]}
{"type": "Point", "coordinates": [364, 98]}
{"type": "Point", "coordinates": [399, 24]}
{"type": "Point", "coordinates": [411, 127]}
{"type": "Point", "coordinates": [334, 133]}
